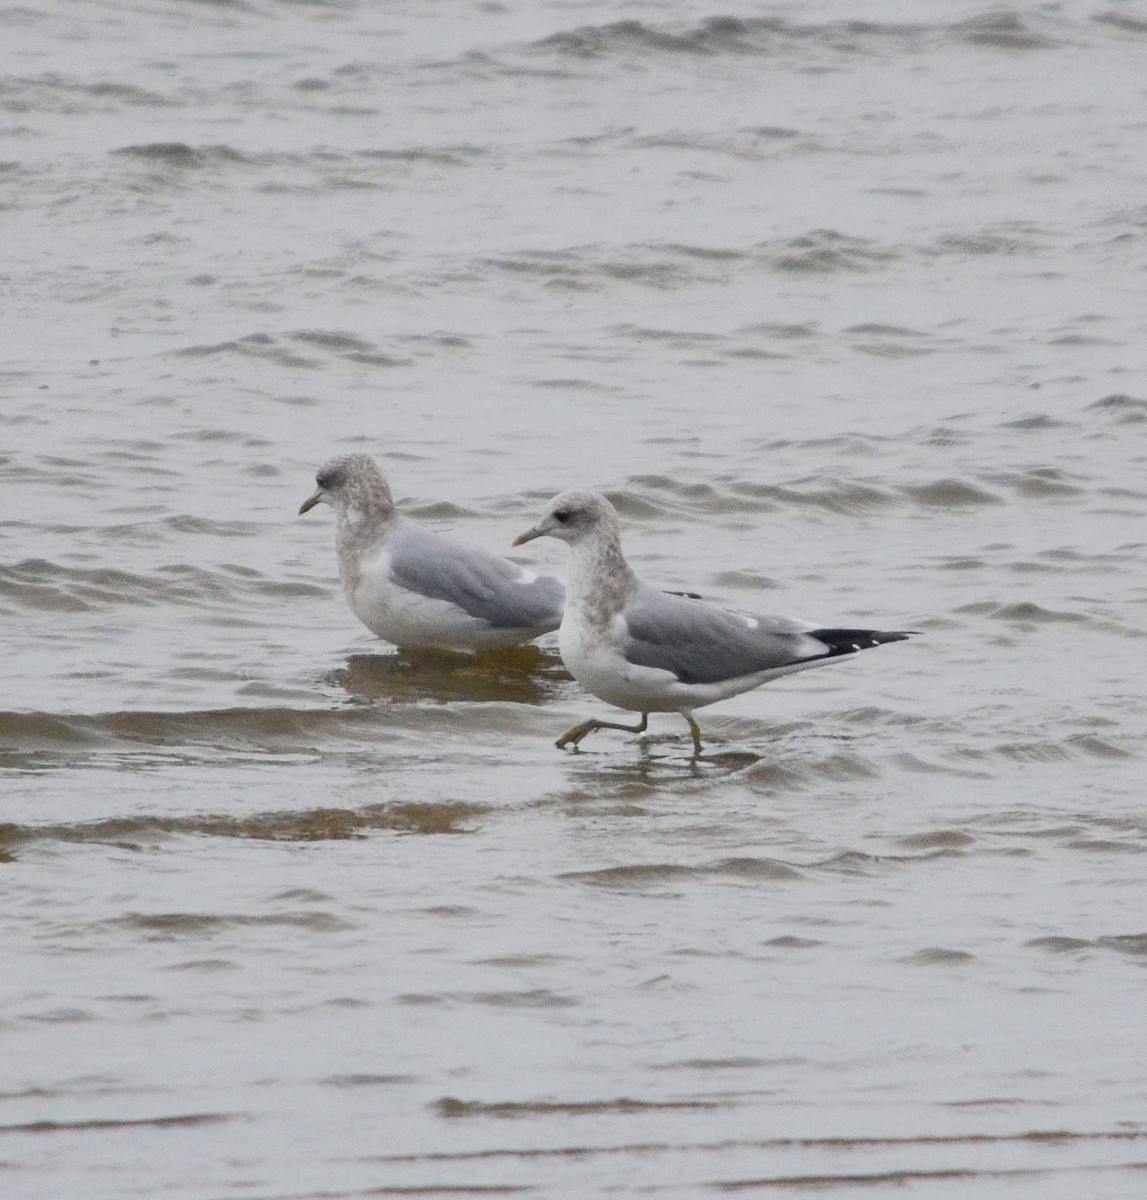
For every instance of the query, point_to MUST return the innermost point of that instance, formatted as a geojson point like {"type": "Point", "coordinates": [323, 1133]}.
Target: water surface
{"type": "Point", "coordinates": [842, 307]}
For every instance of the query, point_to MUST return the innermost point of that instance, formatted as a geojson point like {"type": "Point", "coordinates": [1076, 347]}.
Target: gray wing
{"type": "Point", "coordinates": [703, 644]}
{"type": "Point", "coordinates": [481, 584]}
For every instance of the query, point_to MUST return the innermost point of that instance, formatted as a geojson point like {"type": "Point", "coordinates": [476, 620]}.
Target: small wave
{"type": "Point", "coordinates": [791, 774]}
{"type": "Point", "coordinates": [128, 94]}
{"type": "Point", "coordinates": [592, 268]}
{"type": "Point", "coordinates": [444, 156]}
{"type": "Point", "coordinates": [439, 510]}
{"type": "Point", "coordinates": [184, 156]}
{"type": "Point", "coordinates": [342, 343]}
{"type": "Point", "coordinates": [856, 862]}
{"type": "Point", "coordinates": [950, 493]}
{"type": "Point", "coordinates": [40, 585]}
{"type": "Point", "coordinates": [642, 875]}
{"type": "Point", "coordinates": [453, 1108]}
{"type": "Point", "coordinates": [681, 339]}
{"type": "Point", "coordinates": [1134, 944]}
{"type": "Point", "coordinates": [1057, 944]}
{"type": "Point", "coordinates": [1036, 423]}
{"type": "Point", "coordinates": [938, 956]}
{"type": "Point", "coordinates": [104, 1124]}
{"type": "Point", "coordinates": [302, 825]}
{"type": "Point", "coordinates": [838, 496]}
{"type": "Point", "coordinates": [1040, 483]}
{"type": "Point", "coordinates": [1127, 410]}
{"type": "Point", "coordinates": [734, 36]}
{"type": "Point", "coordinates": [824, 251]}
{"type": "Point", "coordinates": [1050, 751]}
{"type": "Point", "coordinates": [1022, 612]}
{"type": "Point", "coordinates": [876, 329]}
{"type": "Point", "coordinates": [267, 729]}
{"type": "Point", "coordinates": [715, 35]}
{"type": "Point", "coordinates": [937, 839]}
{"type": "Point", "coordinates": [1005, 241]}
{"type": "Point", "coordinates": [347, 346]}
{"type": "Point", "coordinates": [52, 92]}
{"type": "Point", "coordinates": [1124, 22]}
{"type": "Point", "coordinates": [1126, 943]}
{"type": "Point", "coordinates": [752, 144]}
{"type": "Point", "coordinates": [364, 1079]}
{"type": "Point", "coordinates": [674, 265]}
{"type": "Point", "coordinates": [284, 350]}
{"type": "Point", "coordinates": [533, 998]}
{"type": "Point", "coordinates": [653, 496]}
{"type": "Point", "coordinates": [254, 345]}
{"type": "Point", "coordinates": [1002, 31]}
{"type": "Point", "coordinates": [169, 926]}
{"type": "Point", "coordinates": [749, 580]}
{"type": "Point", "coordinates": [812, 46]}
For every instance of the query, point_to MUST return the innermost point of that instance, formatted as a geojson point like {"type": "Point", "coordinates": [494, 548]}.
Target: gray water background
{"type": "Point", "coordinates": [843, 305]}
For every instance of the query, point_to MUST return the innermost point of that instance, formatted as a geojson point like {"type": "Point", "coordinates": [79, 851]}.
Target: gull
{"type": "Point", "coordinates": [649, 651]}
{"type": "Point", "coordinates": [416, 588]}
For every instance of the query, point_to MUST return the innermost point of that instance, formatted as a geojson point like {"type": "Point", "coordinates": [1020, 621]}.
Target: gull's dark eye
{"type": "Point", "coordinates": [562, 517]}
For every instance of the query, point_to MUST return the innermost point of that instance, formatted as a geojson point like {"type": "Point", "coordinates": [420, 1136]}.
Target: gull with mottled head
{"type": "Point", "coordinates": [648, 651]}
{"type": "Point", "coordinates": [417, 588]}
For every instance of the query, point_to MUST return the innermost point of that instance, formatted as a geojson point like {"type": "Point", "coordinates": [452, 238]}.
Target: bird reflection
{"type": "Point", "coordinates": [519, 674]}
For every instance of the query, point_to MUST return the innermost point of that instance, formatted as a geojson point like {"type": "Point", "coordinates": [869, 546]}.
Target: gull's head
{"type": "Point", "coordinates": [572, 517]}
{"type": "Point", "coordinates": [353, 480]}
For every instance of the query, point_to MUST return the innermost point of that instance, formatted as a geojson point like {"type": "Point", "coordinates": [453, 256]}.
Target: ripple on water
{"type": "Point", "coordinates": [317, 348]}
{"type": "Point", "coordinates": [453, 1108]}
{"type": "Point", "coordinates": [598, 268]}
{"type": "Point", "coordinates": [824, 251]}
{"type": "Point", "coordinates": [295, 825]}
{"type": "Point", "coordinates": [1126, 410]}
{"type": "Point", "coordinates": [273, 729]}
{"type": "Point", "coordinates": [938, 956]}
{"type": "Point", "coordinates": [950, 493]}
{"type": "Point", "coordinates": [1045, 750]}
{"type": "Point", "coordinates": [181, 1121]}
{"type": "Point", "coordinates": [647, 875]}
{"type": "Point", "coordinates": [1039, 483]}
{"type": "Point", "coordinates": [1133, 944]}
{"type": "Point", "coordinates": [808, 45]}
{"type": "Point", "coordinates": [358, 1080]}
{"type": "Point", "coordinates": [653, 496]}
{"type": "Point", "coordinates": [1003, 31]}
{"type": "Point", "coordinates": [1023, 613]}
{"type": "Point", "coordinates": [937, 839]}
{"type": "Point", "coordinates": [40, 585]}
{"type": "Point", "coordinates": [796, 774]}
{"type": "Point", "coordinates": [172, 926]}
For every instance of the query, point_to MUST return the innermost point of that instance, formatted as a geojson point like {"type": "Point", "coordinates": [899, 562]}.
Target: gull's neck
{"type": "Point", "coordinates": [600, 582]}
{"type": "Point", "coordinates": [365, 516]}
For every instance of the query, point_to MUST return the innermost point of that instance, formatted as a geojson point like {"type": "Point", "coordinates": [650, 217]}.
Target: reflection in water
{"type": "Point", "coordinates": [519, 675]}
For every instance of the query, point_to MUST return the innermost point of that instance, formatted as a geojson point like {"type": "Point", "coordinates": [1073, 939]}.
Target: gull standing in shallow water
{"type": "Point", "coordinates": [648, 651]}
{"type": "Point", "coordinates": [417, 588]}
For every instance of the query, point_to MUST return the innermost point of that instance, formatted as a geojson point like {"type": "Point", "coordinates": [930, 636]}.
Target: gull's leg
{"type": "Point", "coordinates": [573, 736]}
{"type": "Point", "coordinates": [695, 730]}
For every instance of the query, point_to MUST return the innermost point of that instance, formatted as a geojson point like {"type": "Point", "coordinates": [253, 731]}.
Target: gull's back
{"type": "Point", "coordinates": [421, 588]}
{"type": "Point", "coordinates": [701, 644]}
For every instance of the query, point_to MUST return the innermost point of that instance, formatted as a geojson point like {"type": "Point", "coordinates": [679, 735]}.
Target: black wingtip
{"type": "Point", "coordinates": [849, 641]}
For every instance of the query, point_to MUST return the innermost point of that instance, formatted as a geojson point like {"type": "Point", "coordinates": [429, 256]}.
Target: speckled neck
{"type": "Point", "coordinates": [365, 516]}
{"type": "Point", "coordinates": [601, 582]}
